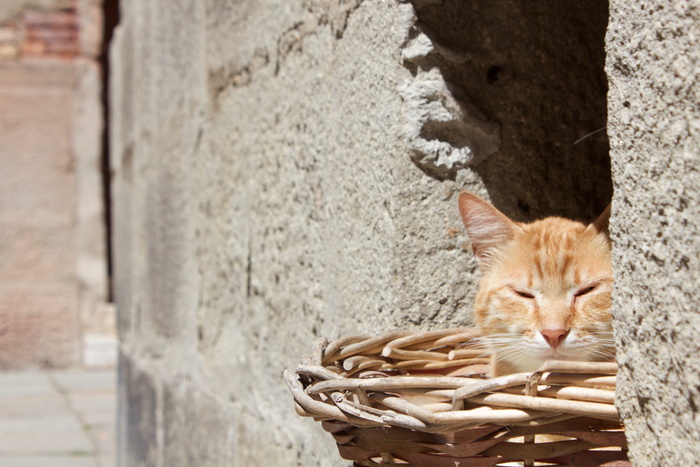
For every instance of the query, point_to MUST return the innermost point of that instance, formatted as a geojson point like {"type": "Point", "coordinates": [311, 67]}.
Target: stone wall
{"type": "Point", "coordinates": [53, 273]}
{"type": "Point", "coordinates": [654, 124]}
{"type": "Point", "coordinates": [286, 170]}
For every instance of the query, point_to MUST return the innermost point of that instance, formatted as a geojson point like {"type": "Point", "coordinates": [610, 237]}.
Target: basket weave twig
{"type": "Point", "coordinates": [417, 398]}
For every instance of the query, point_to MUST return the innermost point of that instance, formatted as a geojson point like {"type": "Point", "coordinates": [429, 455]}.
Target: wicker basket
{"type": "Point", "coordinates": [416, 398]}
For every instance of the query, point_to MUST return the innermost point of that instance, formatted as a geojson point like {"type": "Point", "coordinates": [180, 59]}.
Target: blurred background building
{"type": "Point", "coordinates": [55, 308]}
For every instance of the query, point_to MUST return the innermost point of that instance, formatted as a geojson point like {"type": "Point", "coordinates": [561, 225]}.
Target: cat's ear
{"type": "Point", "coordinates": [488, 228]}
{"type": "Point", "coordinates": [601, 225]}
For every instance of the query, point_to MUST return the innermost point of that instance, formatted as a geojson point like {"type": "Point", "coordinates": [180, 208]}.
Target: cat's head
{"type": "Point", "coordinates": [545, 291]}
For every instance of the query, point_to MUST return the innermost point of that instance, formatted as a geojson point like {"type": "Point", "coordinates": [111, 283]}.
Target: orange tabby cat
{"type": "Point", "coordinates": [545, 289]}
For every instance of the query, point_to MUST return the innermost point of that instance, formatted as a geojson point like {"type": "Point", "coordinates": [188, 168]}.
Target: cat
{"type": "Point", "coordinates": [545, 290]}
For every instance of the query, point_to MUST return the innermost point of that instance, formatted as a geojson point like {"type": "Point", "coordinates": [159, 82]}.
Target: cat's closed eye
{"type": "Point", "coordinates": [524, 294]}
{"type": "Point", "coordinates": [585, 290]}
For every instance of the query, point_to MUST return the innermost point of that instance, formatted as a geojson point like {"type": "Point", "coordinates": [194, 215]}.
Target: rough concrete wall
{"type": "Point", "coordinates": [285, 170]}
{"type": "Point", "coordinates": [653, 59]}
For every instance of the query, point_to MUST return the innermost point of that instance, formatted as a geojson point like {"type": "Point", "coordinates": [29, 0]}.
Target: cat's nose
{"type": "Point", "coordinates": [554, 337]}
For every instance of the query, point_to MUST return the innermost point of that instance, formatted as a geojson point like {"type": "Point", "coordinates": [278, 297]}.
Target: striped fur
{"type": "Point", "coordinates": [545, 290]}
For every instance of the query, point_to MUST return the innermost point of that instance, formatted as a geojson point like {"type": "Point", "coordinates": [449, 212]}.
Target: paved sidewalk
{"type": "Point", "coordinates": [57, 419]}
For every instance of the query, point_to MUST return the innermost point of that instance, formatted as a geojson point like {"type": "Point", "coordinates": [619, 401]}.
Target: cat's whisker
{"type": "Point", "coordinates": [487, 353]}
{"type": "Point", "coordinates": [602, 354]}
{"type": "Point", "coordinates": [603, 342]}
{"type": "Point", "coordinates": [513, 353]}
{"type": "Point", "coordinates": [608, 353]}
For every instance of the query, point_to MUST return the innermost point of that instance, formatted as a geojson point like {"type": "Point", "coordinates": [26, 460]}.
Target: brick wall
{"type": "Point", "coordinates": [52, 232]}
{"type": "Point", "coordinates": [41, 33]}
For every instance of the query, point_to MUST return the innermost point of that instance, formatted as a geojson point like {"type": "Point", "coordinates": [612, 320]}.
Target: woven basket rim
{"type": "Point", "coordinates": [388, 381]}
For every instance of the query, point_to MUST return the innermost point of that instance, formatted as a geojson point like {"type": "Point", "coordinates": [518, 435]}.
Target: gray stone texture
{"type": "Point", "coordinates": [197, 429]}
{"type": "Point", "coordinates": [137, 430]}
{"type": "Point", "coordinates": [285, 170]}
{"type": "Point", "coordinates": [654, 124]}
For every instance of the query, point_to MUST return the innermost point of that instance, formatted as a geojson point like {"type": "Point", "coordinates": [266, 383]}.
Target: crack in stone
{"type": "Point", "coordinates": [231, 76]}
{"type": "Point", "coordinates": [335, 16]}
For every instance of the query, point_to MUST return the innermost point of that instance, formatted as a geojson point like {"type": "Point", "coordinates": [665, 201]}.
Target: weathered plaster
{"type": "Point", "coordinates": [654, 125]}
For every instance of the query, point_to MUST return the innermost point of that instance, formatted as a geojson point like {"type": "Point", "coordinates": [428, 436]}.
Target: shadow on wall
{"type": "Point", "coordinates": [538, 74]}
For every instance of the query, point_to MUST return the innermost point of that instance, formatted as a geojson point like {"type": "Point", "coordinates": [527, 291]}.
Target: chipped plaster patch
{"type": "Point", "coordinates": [446, 131]}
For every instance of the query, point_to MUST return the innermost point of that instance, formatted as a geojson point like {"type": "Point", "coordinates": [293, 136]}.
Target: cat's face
{"type": "Point", "coordinates": [545, 292]}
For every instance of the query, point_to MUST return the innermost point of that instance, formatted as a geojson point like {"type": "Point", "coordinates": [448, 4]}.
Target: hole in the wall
{"type": "Point", "coordinates": [536, 70]}
{"type": "Point", "coordinates": [493, 74]}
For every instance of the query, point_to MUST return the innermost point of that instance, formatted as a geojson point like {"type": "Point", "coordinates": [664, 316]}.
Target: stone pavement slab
{"type": "Point", "coordinates": [38, 406]}
{"type": "Point", "coordinates": [25, 384]}
{"type": "Point", "coordinates": [91, 403]}
{"type": "Point", "coordinates": [74, 442]}
{"type": "Point", "coordinates": [49, 461]}
{"type": "Point", "coordinates": [91, 396]}
{"type": "Point", "coordinates": [55, 424]}
{"type": "Point", "coordinates": [57, 419]}
{"type": "Point", "coordinates": [85, 381]}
